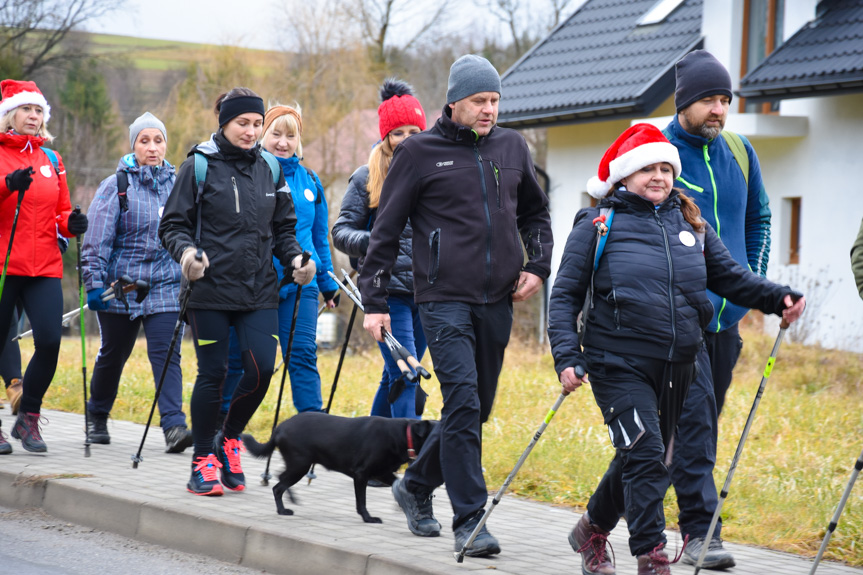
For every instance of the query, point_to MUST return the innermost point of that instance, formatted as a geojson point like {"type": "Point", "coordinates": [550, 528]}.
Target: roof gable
{"type": "Point", "coordinates": [599, 63]}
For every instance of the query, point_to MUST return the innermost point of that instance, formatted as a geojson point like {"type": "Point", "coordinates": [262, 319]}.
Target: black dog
{"type": "Point", "coordinates": [361, 447]}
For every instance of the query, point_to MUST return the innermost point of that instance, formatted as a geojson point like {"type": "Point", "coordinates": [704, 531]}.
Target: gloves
{"type": "Point", "coordinates": [192, 269]}
{"type": "Point", "coordinates": [19, 180]}
{"type": "Point", "coordinates": [94, 300]}
{"type": "Point", "coordinates": [334, 295]}
{"type": "Point", "coordinates": [77, 223]}
{"type": "Point", "coordinates": [303, 274]}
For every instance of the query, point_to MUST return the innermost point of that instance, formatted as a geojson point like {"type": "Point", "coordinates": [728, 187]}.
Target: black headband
{"type": "Point", "coordinates": [233, 107]}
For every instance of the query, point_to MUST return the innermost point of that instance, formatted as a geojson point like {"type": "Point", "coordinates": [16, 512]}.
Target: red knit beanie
{"type": "Point", "coordinates": [399, 107]}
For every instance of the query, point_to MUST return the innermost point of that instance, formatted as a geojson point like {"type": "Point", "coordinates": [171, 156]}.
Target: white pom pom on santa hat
{"type": "Point", "coordinates": [641, 145]}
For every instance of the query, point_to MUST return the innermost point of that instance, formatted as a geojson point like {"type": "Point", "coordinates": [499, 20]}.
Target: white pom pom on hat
{"type": "Point", "coordinates": [640, 145]}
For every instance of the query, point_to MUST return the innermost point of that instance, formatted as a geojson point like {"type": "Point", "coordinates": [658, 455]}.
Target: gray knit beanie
{"type": "Point", "coordinates": [699, 74]}
{"type": "Point", "coordinates": [142, 122]}
{"type": "Point", "coordinates": [470, 75]}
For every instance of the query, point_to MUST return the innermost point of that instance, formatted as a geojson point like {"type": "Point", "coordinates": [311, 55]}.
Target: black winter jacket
{"type": "Point", "coordinates": [245, 219]}
{"type": "Point", "coordinates": [352, 230]}
{"type": "Point", "coordinates": [649, 289]}
{"type": "Point", "coordinates": [472, 202]}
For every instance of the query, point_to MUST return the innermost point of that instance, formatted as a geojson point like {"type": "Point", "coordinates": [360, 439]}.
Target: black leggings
{"type": "Point", "coordinates": [43, 302]}
{"type": "Point", "coordinates": [10, 358]}
{"type": "Point", "coordinates": [257, 332]}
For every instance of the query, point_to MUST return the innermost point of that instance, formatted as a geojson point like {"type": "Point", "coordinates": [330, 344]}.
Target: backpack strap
{"type": "Point", "coordinates": [52, 156]}
{"type": "Point", "coordinates": [275, 168]}
{"type": "Point", "coordinates": [603, 226]}
{"type": "Point", "coordinates": [200, 178]}
{"type": "Point", "coordinates": [122, 186]}
{"type": "Point", "coordinates": [738, 148]}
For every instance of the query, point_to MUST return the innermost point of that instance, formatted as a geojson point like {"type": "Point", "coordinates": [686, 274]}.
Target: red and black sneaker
{"type": "Point", "coordinates": [228, 451]}
{"type": "Point", "coordinates": [205, 479]}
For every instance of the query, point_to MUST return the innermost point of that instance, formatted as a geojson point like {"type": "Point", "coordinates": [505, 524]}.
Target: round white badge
{"type": "Point", "coordinates": [46, 171]}
{"type": "Point", "coordinates": [161, 211]}
{"type": "Point", "coordinates": [310, 195]}
{"type": "Point", "coordinates": [687, 239]}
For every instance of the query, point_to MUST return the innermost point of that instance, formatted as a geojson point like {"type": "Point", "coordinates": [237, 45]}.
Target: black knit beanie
{"type": "Point", "coordinates": [700, 74]}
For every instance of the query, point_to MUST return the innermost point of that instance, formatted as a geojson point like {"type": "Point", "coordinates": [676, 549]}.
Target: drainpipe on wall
{"type": "Point", "coordinates": [543, 306]}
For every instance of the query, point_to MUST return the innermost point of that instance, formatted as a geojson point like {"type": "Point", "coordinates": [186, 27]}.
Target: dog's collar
{"type": "Point", "coordinates": [412, 453]}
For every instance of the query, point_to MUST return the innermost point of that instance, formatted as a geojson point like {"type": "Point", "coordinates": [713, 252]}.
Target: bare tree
{"type": "Point", "coordinates": [31, 31]}
{"type": "Point", "coordinates": [525, 21]}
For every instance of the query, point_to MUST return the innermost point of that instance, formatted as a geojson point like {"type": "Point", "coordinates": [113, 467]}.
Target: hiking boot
{"type": "Point", "coordinates": [177, 439]}
{"type": "Point", "coordinates": [590, 540]}
{"type": "Point", "coordinates": [717, 556]}
{"type": "Point", "coordinates": [5, 446]}
{"type": "Point", "coordinates": [26, 429]}
{"type": "Point", "coordinates": [657, 562]}
{"type": "Point", "coordinates": [228, 451]}
{"type": "Point", "coordinates": [205, 479]}
{"type": "Point", "coordinates": [13, 393]}
{"type": "Point", "coordinates": [97, 428]}
{"type": "Point", "coordinates": [485, 543]}
{"type": "Point", "coordinates": [417, 508]}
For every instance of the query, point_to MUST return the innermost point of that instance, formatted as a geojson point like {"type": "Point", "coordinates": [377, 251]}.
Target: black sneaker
{"type": "Point", "coordinates": [718, 557]}
{"type": "Point", "coordinates": [177, 439]}
{"type": "Point", "coordinates": [228, 451]}
{"type": "Point", "coordinates": [418, 510]}
{"type": "Point", "coordinates": [5, 446]}
{"type": "Point", "coordinates": [485, 543]}
{"type": "Point", "coordinates": [26, 429]}
{"type": "Point", "coordinates": [97, 428]}
{"type": "Point", "coordinates": [205, 478]}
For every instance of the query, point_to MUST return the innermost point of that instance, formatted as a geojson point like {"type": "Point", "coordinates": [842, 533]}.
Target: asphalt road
{"type": "Point", "coordinates": [33, 543]}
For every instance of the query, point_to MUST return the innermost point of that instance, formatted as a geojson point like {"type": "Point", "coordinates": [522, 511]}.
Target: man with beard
{"type": "Point", "coordinates": [727, 187]}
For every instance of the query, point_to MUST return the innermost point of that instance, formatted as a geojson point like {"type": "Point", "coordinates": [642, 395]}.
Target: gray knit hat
{"type": "Point", "coordinates": [142, 122]}
{"type": "Point", "coordinates": [469, 75]}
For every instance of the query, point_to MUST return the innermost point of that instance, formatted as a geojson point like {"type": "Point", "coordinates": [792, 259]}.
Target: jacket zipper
{"type": "Point", "coordinates": [236, 194]}
{"type": "Point", "coordinates": [670, 285]}
{"type": "Point", "coordinates": [487, 223]}
{"type": "Point", "coordinates": [716, 218]}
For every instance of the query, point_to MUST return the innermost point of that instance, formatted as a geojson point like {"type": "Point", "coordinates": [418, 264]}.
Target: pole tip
{"type": "Point", "coordinates": [459, 556]}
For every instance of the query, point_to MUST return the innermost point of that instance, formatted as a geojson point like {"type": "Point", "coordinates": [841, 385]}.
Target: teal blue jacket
{"type": "Point", "coordinates": [740, 214]}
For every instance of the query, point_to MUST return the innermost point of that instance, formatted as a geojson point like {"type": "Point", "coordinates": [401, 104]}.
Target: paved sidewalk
{"type": "Point", "coordinates": [325, 535]}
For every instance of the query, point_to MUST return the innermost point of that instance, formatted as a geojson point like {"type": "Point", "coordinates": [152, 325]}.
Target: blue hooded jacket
{"type": "Point", "coordinates": [310, 205]}
{"type": "Point", "coordinates": [740, 215]}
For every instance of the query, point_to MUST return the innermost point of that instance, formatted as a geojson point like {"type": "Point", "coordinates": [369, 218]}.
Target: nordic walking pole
{"type": "Point", "coordinates": [184, 301]}
{"type": "Point", "coordinates": [835, 521]}
{"type": "Point", "coordinates": [12, 236]}
{"type": "Point", "coordinates": [459, 555]}
{"type": "Point", "coordinates": [83, 340]}
{"type": "Point", "coordinates": [265, 476]}
{"type": "Point", "coordinates": [768, 369]}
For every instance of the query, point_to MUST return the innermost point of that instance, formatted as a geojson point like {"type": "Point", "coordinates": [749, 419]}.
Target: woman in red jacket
{"type": "Point", "coordinates": [35, 179]}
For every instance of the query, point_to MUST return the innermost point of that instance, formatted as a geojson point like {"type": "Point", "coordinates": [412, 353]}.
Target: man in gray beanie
{"type": "Point", "coordinates": [466, 186]}
{"type": "Point", "coordinates": [723, 176]}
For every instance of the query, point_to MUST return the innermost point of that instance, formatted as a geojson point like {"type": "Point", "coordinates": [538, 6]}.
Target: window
{"type": "Point", "coordinates": [762, 33]}
{"type": "Point", "coordinates": [791, 233]}
{"type": "Point", "coordinates": [658, 12]}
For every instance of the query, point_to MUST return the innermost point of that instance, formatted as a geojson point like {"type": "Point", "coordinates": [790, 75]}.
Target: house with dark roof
{"type": "Point", "coordinates": [797, 71]}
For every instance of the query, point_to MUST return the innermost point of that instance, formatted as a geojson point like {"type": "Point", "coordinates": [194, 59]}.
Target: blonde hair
{"type": "Point", "coordinates": [7, 123]}
{"type": "Point", "coordinates": [379, 165]}
{"type": "Point", "coordinates": [289, 122]}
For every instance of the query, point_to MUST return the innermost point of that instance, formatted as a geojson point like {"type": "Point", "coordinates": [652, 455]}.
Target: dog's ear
{"type": "Point", "coordinates": [423, 428]}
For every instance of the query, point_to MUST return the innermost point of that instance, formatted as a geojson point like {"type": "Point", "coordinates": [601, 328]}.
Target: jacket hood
{"type": "Point", "coordinates": [159, 174]}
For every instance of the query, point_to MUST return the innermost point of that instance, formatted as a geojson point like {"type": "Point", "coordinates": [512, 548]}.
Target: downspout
{"type": "Point", "coordinates": [543, 305]}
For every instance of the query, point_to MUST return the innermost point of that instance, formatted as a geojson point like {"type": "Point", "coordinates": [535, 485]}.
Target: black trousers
{"type": "Point", "coordinates": [10, 359]}
{"type": "Point", "coordinates": [467, 343]}
{"type": "Point", "coordinates": [257, 332]}
{"type": "Point", "coordinates": [640, 399]}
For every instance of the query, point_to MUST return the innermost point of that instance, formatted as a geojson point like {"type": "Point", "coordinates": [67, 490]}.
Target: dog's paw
{"type": "Point", "coordinates": [285, 512]}
{"type": "Point", "coordinates": [373, 520]}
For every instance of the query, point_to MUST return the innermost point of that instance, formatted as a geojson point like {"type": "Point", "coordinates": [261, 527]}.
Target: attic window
{"type": "Point", "coordinates": [659, 12]}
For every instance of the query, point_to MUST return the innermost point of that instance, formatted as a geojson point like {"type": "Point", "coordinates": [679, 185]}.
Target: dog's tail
{"type": "Point", "coordinates": [259, 449]}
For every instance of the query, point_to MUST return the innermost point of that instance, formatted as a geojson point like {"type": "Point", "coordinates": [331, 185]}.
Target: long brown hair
{"type": "Point", "coordinates": [379, 165]}
{"type": "Point", "coordinates": [691, 212]}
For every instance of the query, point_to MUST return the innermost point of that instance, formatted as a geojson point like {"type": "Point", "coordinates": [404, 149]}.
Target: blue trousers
{"type": "Point", "coordinates": [467, 343]}
{"type": "Point", "coordinates": [303, 366]}
{"type": "Point", "coordinates": [119, 335]}
{"type": "Point", "coordinates": [408, 330]}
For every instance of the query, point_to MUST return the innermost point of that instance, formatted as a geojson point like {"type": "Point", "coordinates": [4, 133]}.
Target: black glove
{"type": "Point", "coordinates": [19, 180]}
{"type": "Point", "coordinates": [334, 295]}
{"type": "Point", "coordinates": [77, 223]}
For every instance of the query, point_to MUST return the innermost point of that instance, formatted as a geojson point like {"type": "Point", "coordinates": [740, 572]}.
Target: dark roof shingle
{"type": "Point", "coordinates": [598, 63]}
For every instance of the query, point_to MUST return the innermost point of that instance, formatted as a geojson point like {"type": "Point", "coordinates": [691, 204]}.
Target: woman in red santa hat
{"type": "Point", "coordinates": [32, 188]}
{"type": "Point", "coordinates": [642, 330]}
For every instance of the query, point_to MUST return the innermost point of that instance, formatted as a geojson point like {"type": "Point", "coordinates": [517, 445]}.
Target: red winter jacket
{"type": "Point", "coordinates": [44, 211]}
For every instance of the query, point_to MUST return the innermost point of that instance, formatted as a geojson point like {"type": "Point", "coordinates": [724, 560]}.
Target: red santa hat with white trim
{"type": "Point", "coordinates": [637, 147]}
{"type": "Point", "coordinates": [17, 93]}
